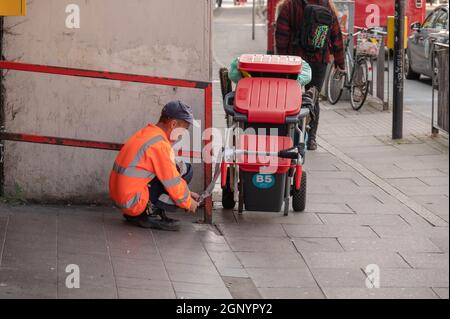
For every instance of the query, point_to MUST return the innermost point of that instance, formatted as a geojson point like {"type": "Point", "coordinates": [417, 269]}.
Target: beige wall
{"type": "Point", "coordinates": [163, 38]}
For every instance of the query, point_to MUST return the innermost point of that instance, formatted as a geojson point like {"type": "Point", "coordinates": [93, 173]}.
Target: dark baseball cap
{"type": "Point", "coordinates": [178, 110]}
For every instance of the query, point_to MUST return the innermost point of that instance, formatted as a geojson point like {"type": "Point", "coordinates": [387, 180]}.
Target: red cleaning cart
{"type": "Point", "coordinates": [264, 152]}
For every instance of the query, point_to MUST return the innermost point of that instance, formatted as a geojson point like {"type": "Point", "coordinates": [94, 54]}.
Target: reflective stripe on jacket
{"type": "Point", "coordinates": [147, 154]}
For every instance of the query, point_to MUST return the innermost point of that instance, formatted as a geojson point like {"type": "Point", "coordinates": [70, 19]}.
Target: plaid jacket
{"type": "Point", "coordinates": [285, 32]}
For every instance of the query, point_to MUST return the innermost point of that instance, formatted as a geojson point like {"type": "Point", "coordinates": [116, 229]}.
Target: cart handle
{"type": "Point", "coordinates": [290, 153]}
{"type": "Point", "coordinates": [228, 106]}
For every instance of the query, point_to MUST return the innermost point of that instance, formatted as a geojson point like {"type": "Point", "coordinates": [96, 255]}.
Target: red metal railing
{"type": "Point", "coordinates": [63, 141]}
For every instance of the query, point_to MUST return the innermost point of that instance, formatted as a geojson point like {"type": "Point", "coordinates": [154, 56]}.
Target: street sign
{"type": "Point", "coordinates": [13, 7]}
{"type": "Point", "coordinates": [391, 31]}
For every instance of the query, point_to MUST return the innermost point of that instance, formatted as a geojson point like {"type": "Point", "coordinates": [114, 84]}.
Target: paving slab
{"type": "Point", "coordinates": [47, 248]}
{"type": "Point", "coordinates": [291, 293]}
{"type": "Point", "coordinates": [442, 292]}
{"type": "Point", "coordinates": [303, 218]}
{"type": "Point", "coordinates": [427, 260]}
{"type": "Point", "coordinates": [80, 245]}
{"type": "Point", "coordinates": [241, 288]}
{"type": "Point", "coordinates": [95, 270]}
{"type": "Point", "coordinates": [380, 293]}
{"type": "Point", "coordinates": [332, 277]}
{"type": "Point", "coordinates": [414, 278]}
{"type": "Point", "coordinates": [271, 260]}
{"type": "Point", "coordinates": [308, 245]}
{"type": "Point", "coordinates": [282, 278]}
{"type": "Point", "coordinates": [363, 219]}
{"type": "Point", "coordinates": [138, 293]}
{"type": "Point", "coordinates": [207, 275]}
{"type": "Point", "coordinates": [329, 231]}
{"type": "Point", "coordinates": [18, 283]}
{"type": "Point", "coordinates": [260, 244]}
{"type": "Point", "coordinates": [354, 259]}
{"type": "Point", "coordinates": [21, 290]}
{"type": "Point", "coordinates": [237, 272]}
{"type": "Point", "coordinates": [252, 230]}
{"type": "Point", "coordinates": [396, 231]}
{"type": "Point", "coordinates": [186, 256]}
{"type": "Point", "coordinates": [137, 268]}
{"type": "Point", "coordinates": [441, 242]}
{"type": "Point", "coordinates": [391, 244]}
{"type": "Point", "coordinates": [187, 290]}
{"type": "Point", "coordinates": [87, 292]}
{"type": "Point", "coordinates": [226, 259]}
{"type": "Point", "coordinates": [329, 208]}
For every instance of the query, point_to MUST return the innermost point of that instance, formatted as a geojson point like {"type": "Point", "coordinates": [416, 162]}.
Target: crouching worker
{"type": "Point", "coordinates": [145, 181]}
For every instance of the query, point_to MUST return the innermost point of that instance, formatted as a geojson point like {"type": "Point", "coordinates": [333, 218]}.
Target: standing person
{"type": "Point", "coordinates": [310, 29]}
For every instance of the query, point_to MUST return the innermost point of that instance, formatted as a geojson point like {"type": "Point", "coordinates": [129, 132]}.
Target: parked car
{"type": "Point", "coordinates": [419, 57]}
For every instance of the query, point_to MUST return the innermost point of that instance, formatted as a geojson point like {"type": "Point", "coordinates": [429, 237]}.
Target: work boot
{"type": "Point", "coordinates": [155, 221]}
{"type": "Point", "coordinates": [312, 144]}
{"type": "Point", "coordinates": [161, 213]}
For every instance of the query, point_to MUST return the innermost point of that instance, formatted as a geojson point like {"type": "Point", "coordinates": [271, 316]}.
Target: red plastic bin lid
{"type": "Point", "coordinates": [270, 63]}
{"type": "Point", "coordinates": [265, 143]}
{"type": "Point", "coordinates": [267, 100]}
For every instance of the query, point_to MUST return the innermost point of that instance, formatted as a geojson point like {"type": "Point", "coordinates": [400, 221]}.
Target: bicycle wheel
{"type": "Point", "coordinates": [335, 86]}
{"type": "Point", "coordinates": [360, 84]}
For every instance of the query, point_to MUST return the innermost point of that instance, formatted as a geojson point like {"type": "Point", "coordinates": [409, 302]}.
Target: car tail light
{"type": "Point", "coordinates": [419, 4]}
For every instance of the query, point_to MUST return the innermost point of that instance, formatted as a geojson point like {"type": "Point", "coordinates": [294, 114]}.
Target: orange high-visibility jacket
{"type": "Point", "coordinates": [146, 155]}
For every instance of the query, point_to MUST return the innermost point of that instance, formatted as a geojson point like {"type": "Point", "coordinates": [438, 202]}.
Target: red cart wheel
{"type": "Point", "coordinates": [299, 196]}
{"type": "Point", "coordinates": [227, 194]}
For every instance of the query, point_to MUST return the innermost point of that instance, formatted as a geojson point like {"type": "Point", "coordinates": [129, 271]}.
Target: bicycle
{"type": "Point", "coordinates": [356, 75]}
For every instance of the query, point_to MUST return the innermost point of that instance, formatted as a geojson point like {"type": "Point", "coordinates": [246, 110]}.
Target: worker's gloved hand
{"type": "Point", "coordinates": [194, 206]}
{"type": "Point", "coordinates": [195, 196]}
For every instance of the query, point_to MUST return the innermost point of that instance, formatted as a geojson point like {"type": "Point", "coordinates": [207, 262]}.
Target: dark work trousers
{"type": "Point", "coordinates": [156, 189]}
{"type": "Point", "coordinates": [318, 76]}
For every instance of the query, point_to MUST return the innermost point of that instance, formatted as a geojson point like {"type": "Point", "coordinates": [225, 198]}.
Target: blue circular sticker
{"type": "Point", "coordinates": [263, 181]}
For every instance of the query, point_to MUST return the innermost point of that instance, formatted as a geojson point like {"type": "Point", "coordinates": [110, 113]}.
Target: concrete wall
{"type": "Point", "coordinates": [153, 37]}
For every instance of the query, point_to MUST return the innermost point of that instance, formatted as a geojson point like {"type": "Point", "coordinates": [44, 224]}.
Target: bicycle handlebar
{"type": "Point", "coordinates": [361, 30]}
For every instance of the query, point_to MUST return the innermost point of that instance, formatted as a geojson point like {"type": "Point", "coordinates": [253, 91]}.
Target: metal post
{"type": "Point", "coordinates": [399, 55]}
{"type": "Point", "coordinates": [2, 111]}
{"type": "Point", "coordinates": [253, 19]}
{"type": "Point", "coordinates": [388, 80]}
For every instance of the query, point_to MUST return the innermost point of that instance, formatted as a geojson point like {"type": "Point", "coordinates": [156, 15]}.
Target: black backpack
{"type": "Point", "coordinates": [315, 28]}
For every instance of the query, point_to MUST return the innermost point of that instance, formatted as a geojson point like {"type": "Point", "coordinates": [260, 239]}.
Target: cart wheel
{"type": "Point", "coordinates": [299, 197]}
{"type": "Point", "coordinates": [228, 195]}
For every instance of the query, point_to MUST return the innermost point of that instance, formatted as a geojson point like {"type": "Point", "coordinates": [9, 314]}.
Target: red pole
{"type": "Point", "coordinates": [208, 166]}
{"type": "Point", "coordinates": [106, 75]}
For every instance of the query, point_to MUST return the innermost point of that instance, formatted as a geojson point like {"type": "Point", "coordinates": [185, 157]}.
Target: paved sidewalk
{"type": "Point", "coordinates": [370, 201]}
{"type": "Point", "coordinates": [354, 218]}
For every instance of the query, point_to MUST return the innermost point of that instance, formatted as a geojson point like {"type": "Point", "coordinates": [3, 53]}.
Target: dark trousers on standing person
{"type": "Point", "coordinates": [318, 76]}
